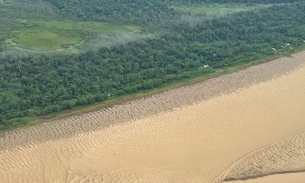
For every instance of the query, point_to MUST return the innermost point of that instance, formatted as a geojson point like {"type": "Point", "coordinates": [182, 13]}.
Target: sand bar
{"type": "Point", "coordinates": [199, 133]}
{"type": "Point", "coordinates": [280, 178]}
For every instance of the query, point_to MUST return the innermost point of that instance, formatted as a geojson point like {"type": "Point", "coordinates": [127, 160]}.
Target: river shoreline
{"type": "Point", "coordinates": [195, 131]}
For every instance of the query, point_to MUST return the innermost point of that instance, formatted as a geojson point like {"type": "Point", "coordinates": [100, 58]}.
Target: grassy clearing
{"type": "Point", "coordinates": [82, 26]}
{"type": "Point", "coordinates": [37, 39]}
{"type": "Point", "coordinates": [215, 8]}
{"type": "Point", "coordinates": [55, 34]}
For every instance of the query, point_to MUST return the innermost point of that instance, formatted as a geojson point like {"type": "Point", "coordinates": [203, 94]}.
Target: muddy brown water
{"type": "Point", "coordinates": [241, 125]}
{"type": "Point", "coordinates": [280, 178]}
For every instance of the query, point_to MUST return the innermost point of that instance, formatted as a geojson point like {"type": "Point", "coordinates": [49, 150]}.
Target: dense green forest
{"type": "Point", "coordinates": [183, 45]}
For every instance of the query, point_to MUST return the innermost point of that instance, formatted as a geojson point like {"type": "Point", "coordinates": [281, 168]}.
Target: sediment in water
{"type": "Point", "coordinates": [286, 156]}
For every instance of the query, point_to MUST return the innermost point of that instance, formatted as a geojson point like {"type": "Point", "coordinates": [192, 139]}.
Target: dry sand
{"type": "Point", "coordinates": [241, 125]}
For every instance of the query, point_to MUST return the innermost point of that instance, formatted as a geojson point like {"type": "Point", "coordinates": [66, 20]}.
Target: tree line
{"type": "Point", "coordinates": [41, 84]}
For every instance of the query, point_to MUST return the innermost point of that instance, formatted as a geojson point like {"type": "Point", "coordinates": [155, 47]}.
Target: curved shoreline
{"type": "Point", "coordinates": [238, 169]}
{"type": "Point", "coordinates": [155, 104]}
{"type": "Point", "coordinates": [264, 176]}
{"type": "Point", "coordinates": [291, 177]}
{"type": "Point", "coordinates": [194, 131]}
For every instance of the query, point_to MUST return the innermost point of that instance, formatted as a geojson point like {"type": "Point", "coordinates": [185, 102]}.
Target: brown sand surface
{"type": "Point", "coordinates": [280, 178]}
{"type": "Point", "coordinates": [206, 132]}
{"type": "Point", "coordinates": [285, 156]}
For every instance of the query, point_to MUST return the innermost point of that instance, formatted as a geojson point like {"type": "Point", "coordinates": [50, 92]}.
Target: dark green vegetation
{"type": "Point", "coordinates": [40, 84]}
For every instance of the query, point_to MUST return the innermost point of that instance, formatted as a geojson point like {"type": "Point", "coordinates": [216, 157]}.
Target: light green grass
{"type": "Point", "coordinates": [215, 8]}
{"type": "Point", "coordinates": [55, 34]}
{"type": "Point", "coordinates": [82, 26]}
{"type": "Point", "coordinates": [10, 41]}
{"type": "Point", "coordinates": [39, 39]}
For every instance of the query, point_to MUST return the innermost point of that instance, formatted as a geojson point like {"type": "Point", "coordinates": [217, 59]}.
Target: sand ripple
{"type": "Point", "coordinates": [282, 157]}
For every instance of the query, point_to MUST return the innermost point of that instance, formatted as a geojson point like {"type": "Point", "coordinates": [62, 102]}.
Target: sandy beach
{"type": "Point", "coordinates": [238, 126]}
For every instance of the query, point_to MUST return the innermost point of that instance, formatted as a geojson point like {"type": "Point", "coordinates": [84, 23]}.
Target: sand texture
{"type": "Point", "coordinates": [278, 178]}
{"type": "Point", "coordinates": [282, 157]}
{"type": "Point", "coordinates": [241, 125]}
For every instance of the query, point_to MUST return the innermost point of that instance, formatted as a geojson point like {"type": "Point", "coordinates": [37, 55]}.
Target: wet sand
{"type": "Point", "coordinates": [220, 129]}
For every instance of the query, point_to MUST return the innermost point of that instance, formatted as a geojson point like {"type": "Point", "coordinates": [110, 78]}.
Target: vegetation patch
{"type": "Point", "coordinates": [55, 34]}
{"type": "Point", "coordinates": [81, 26]}
{"type": "Point", "coordinates": [10, 41]}
{"type": "Point", "coordinates": [220, 9]}
{"type": "Point", "coordinates": [44, 39]}
{"type": "Point", "coordinates": [134, 28]}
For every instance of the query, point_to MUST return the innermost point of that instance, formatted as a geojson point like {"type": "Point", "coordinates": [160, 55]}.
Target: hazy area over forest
{"type": "Point", "coordinates": [59, 54]}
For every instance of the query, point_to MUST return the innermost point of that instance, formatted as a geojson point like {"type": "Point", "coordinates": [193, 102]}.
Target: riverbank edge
{"type": "Point", "coordinates": [79, 110]}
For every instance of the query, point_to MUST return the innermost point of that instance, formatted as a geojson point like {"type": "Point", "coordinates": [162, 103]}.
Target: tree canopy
{"type": "Point", "coordinates": [43, 83]}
